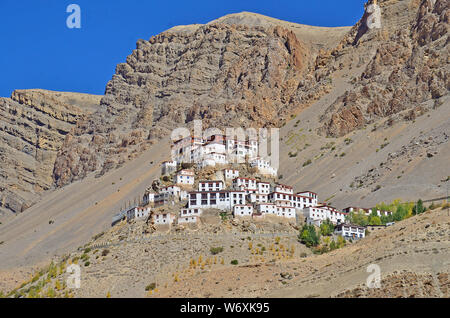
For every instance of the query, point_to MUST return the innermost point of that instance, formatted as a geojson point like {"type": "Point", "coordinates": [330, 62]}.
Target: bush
{"type": "Point", "coordinates": [309, 236]}
{"type": "Point", "coordinates": [152, 286]}
{"type": "Point", "coordinates": [307, 162]}
{"type": "Point", "coordinates": [105, 252]}
{"type": "Point", "coordinates": [216, 250]}
{"type": "Point", "coordinates": [87, 263]}
{"type": "Point", "coordinates": [234, 262]}
{"type": "Point", "coordinates": [326, 228]}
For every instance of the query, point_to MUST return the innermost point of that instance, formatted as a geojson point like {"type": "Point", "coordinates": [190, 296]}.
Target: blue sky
{"type": "Point", "coordinates": [39, 51]}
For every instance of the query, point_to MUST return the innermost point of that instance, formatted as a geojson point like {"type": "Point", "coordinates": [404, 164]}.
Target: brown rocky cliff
{"type": "Point", "coordinates": [225, 74]}
{"type": "Point", "coordinates": [33, 126]}
{"type": "Point", "coordinates": [409, 67]}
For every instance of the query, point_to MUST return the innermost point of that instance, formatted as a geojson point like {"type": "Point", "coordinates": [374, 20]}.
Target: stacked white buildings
{"type": "Point", "coordinates": [241, 196]}
{"type": "Point", "coordinates": [248, 196]}
{"type": "Point", "coordinates": [366, 211]}
{"type": "Point", "coordinates": [219, 150]}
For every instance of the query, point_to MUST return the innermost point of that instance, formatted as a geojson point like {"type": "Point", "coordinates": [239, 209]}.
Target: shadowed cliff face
{"type": "Point", "coordinates": [33, 126]}
{"type": "Point", "coordinates": [408, 65]}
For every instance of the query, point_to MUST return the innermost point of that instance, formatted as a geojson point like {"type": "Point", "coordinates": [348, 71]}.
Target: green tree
{"type": "Point", "coordinates": [333, 245]}
{"type": "Point", "coordinates": [374, 220]}
{"type": "Point", "coordinates": [340, 242]}
{"type": "Point", "coordinates": [418, 207]}
{"type": "Point", "coordinates": [358, 218]}
{"type": "Point", "coordinates": [326, 228]}
{"type": "Point", "coordinates": [309, 236]}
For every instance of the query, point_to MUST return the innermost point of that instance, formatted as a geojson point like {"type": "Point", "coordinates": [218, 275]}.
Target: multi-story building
{"type": "Point", "coordinates": [242, 210]}
{"type": "Point", "coordinates": [350, 231]}
{"type": "Point", "coordinates": [172, 190]}
{"type": "Point", "coordinates": [263, 187]}
{"type": "Point", "coordinates": [210, 185]}
{"type": "Point", "coordinates": [216, 149]}
{"type": "Point", "coordinates": [366, 211]}
{"type": "Point", "coordinates": [168, 167]}
{"type": "Point", "coordinates": [223, 200]}
{"type": "Point", "coordinates": [137, 213]}
{"type": "Point", "coordinates": [267, 208]}
{"type": "Point", "coordinates": [245, 184]}
{"type": "Point", "coordinates": [285, 211]}
{"type": "Point", "coordinates": [188, 219]}
{"type": "Point", "coordinates": [317, 214]}
{"type": "Point", "coordinates": [257, 198]}
{"type": "Point", "coordinates": [263, 167]}
{"type": "Point", "coordinates": [230, 174]}
{"type": "Point", "coordinates": [185, 177]}
{"type": "Point", "coordinates": [149, 197]}
{"type": "Point", "coordinates": [162, 218]}
{"type": "Point", "coordinates": [313, 196]}
{"type": "Point", "coordinates": [282, 188]}
{"type": "Point", "coordinates": [191, 212]}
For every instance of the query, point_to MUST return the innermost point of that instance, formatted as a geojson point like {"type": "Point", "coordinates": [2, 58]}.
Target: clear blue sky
{"type": "Point", "coordinates": [39, 51]}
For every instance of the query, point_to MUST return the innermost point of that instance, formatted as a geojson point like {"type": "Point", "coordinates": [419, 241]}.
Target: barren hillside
{"type": "Point", "coordinates": [364, 117]}
{"type": "Point", "coordinates": [413, 257]}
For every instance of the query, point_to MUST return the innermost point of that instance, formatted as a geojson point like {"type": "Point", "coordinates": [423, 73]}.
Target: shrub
{"type": "Point", "coordinates": [326, 228]}
{"type": "Point", "coordinates": [234, 262]}
{"type": "Point", "coordinates": [216, 250]}
{"type": "Point", "coordinates": [418, 208]}
{"type": "Point", "coordinates": [151, 286]}
{"type": "Point", "coordinates": [87, 263]}
{"type": "Point", "coordinates": [309, 236]}
{"type": "Point", "coordinates": [307, 162]}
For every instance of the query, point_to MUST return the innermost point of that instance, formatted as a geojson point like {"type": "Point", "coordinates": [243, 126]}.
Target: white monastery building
{"type": "Point", "coordinates": [242, 210]}
{"type": "Point", "coordinates": [168, 167]}
{"type": "Point", "coordinates": [163, 218]}
{"type": "Point", "coordinates": [216, 185]}
{"type": "Point", "coordinates": [186, 177]}
{"type": "Point", "coordinates": [230, 174]}
{"type": "Point", "coordinates": [350, 231]}
{"type": "Point", "coordinates": [137, 213]}
{"type": "Point", "coordinates": [317, 214]}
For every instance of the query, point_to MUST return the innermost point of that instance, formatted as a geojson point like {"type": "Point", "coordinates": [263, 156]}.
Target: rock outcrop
{"type": "Point", "coordinates": [408, 65]}
{"type": "Point", "coordinates": [242, 70]}
{"type": "Point", "coordinates": [33, 126]}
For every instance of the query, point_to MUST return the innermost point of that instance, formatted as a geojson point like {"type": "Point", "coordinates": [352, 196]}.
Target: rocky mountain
{"type": "Point", "coordinates": [33, 126]}
{"type": "Point", "coordinates": [407, 64]}
{"type": "Point", "coordinates": [245, 70]}
{"type": "Point", "coordinates": [364, 117]}
{"type": "Point", "coordinates": [240, 70]}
